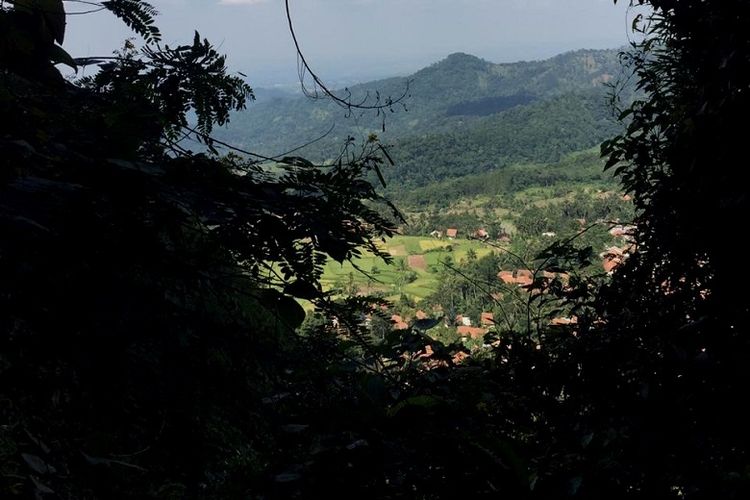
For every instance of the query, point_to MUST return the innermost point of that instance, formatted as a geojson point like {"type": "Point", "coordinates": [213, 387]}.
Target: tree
{"type": "Point", "coordinates": [673, 348]}
{"type": "Point", "coordinates": [147, 300]}
{"type": "Point", "coordinates": [681, 141]}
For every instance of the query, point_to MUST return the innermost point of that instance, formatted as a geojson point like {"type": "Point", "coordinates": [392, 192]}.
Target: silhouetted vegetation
{"type": "Point", "coordinates": [152, 341]}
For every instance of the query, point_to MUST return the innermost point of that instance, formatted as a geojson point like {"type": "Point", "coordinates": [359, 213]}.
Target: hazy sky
{"type": "Point", "coordinates": [367, 38]}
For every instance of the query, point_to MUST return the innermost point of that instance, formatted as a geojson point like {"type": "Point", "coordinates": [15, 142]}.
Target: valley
{"type": "Point", "coordinates": [505, 156]}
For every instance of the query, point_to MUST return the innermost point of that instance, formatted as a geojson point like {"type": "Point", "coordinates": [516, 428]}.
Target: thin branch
{"type": "Point", "coordinates": [344, 102]}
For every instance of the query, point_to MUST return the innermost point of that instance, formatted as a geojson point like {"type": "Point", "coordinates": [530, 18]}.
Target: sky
{"type": "Point", "coordinates": [358, 40]}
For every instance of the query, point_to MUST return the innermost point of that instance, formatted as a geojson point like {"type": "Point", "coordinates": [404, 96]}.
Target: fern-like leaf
{"type": "Point", "coordinates": [138, 15]}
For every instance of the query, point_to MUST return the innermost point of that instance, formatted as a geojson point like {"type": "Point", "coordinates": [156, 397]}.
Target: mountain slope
{"type": "Point", "coordinates": [541, 132]}
{"type": "Point", "coordinates": [464, 116]}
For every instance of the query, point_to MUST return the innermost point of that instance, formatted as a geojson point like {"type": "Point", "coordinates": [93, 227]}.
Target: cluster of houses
{"type": "Point", "coordinates": [616, 255]}
{"type": "Point", "coordinates": [611, 258]}
{"type": "Point", "coordinates": [479, 234]}
{"type": "Point", "coordinates": [462, 323]}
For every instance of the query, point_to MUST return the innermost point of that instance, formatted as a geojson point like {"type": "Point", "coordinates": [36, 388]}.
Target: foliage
{"type": "Point", "coordinates": [148, 296]}
{"type": "Point", "coordinates": [677, 310]}
{"type": "Point", "coordinates": [579, 168]}
{"type": "Point", "coordinates": [147, 320]}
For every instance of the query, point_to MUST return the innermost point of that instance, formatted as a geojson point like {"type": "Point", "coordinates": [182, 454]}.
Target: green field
{"type": "Point", "coordinates": [389, 279]}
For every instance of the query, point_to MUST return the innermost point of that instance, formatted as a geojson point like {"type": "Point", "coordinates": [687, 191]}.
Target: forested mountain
{"type": "Point", "coordinates": [462, 115]}
{"type": "Point", "coordinates": [583, 167]}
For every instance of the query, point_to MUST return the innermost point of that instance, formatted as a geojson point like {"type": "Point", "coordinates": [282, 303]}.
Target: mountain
{"type": "Point", "coordinates": [462, 115]}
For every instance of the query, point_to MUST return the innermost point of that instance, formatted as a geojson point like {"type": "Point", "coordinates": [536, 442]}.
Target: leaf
{"type": "Point", "coordinates": [387, 155]}
{"type": "Point", "coordinates": [423, 401]}
{"type": "Point", "coordinates": [283, 307]}
{"type": "Point", "coordinates": [586, 440]}
{"type": "Point", "coordinates": [574, 485]}
{"type": "Point", "coordinates": [287, 477]}
{"type": "Point", "coordinates": [41, 489]}
{"type": "Point", "coordinates": [138, 15]}
{"type": "Point", "coordinates": [54, 15]}
{"type": "Point", "coordinates": [52, 12]}
{"type": "Point", "coordinates": [380, 175]}
{"type": "Point", "coordinates": [301, 289]}
{"type": "Point", "coordinates": [58, 55]}
{"type": "Point", "coordinates": [297, 161]}
{"type": "Point", "coordinates": [37, 464]}
{"type": "Point", "coordinates": [110, 462]}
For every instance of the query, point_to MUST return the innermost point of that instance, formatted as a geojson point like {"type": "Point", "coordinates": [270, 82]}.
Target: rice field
{"type": "Point", "coordinates": [418, 254]}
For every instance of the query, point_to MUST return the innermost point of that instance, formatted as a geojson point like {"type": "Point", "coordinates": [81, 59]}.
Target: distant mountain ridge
{"type": "Point", "coordinates": [464, 115]}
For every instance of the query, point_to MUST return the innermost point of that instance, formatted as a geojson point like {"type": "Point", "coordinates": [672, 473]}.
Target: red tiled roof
{"type": "Point", "coordinates": [487, 319]}
{"type": "Point", "coordinates": [506, 277]}
{"type": "Point", "coordinates": [459, 357]}
{"type": "Point", "coordinates": [564, 321]}
{"type": "Point", "coordinates": [451, 232]}
{"type": "Point", "coordinates": [610, 263]}
{"type": "Point", "coordinates": [524, 277]}
{"type": "Point", "coordinates": [420, 314]}
{"type": "Point", "coordinates": [471, 331]}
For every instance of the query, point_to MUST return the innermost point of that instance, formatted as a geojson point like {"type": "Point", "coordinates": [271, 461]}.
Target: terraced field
{"type": "Point", "coordinates": [424, 256]}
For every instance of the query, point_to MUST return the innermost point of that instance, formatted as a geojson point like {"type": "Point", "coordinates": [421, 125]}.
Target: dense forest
{"type": "Point", "coordinates": [463, 115]}
{"type": "Point", "coordinates": [165, 326]}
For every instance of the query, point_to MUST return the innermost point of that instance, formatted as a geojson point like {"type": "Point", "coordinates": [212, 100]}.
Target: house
{"type": "Point", "coordinates": [620, 231]}
{"type": "Point", "coordinates": [613, 252]}
{"type": "Point", "coordinates": [462, 320]}
{"type": "Point", "coordinates": [503, 238]}
{"type": "Point", "coordinates": [451, 232]}
{"type": "Point", "coordinates": [420, 314]}
{"type": "Point", "coordinates": [469, 331]}
{"type": "Point", "coordinates": [561, 321]}
{"type": "Point", "coordinates": [487, 319]}
{"type": "Point", "coordinates": [428, 352]}
{"type": "Point", "coordinates": [459, 357]}
{"type": "Point", "coordinates": [610, 263]}
{"type": "Point", "coordinates": [613, 257]}
{"type": "Point", "coordinates": [521, 277]}
{"type": "Point", "coordinates": [436, 234]}
{"type": "Point", "coordinates": [399, 323]}
{"type": "Point", "coordinates": [524, 277]}
{"type": "Point", "coordinates": [481, 234]}
{"type": "Point", "coordinates": [549, 234]}
{"type": "Point", "coordinates": [506, 277]}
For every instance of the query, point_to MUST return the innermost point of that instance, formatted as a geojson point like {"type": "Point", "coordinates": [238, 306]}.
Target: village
{"type": "Point", "coordinates": [514, 282]}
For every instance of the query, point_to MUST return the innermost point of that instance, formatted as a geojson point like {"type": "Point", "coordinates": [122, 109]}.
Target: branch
{"type": "Point", "coordinates": [344, 102]}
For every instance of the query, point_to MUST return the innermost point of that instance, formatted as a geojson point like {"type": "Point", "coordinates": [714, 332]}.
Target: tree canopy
{"type": "Point", "coordinates": [148, 293]}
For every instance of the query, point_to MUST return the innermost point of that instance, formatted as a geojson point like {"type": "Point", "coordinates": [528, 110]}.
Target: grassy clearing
{"type": "Point", "coordinates": [427, 245]}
